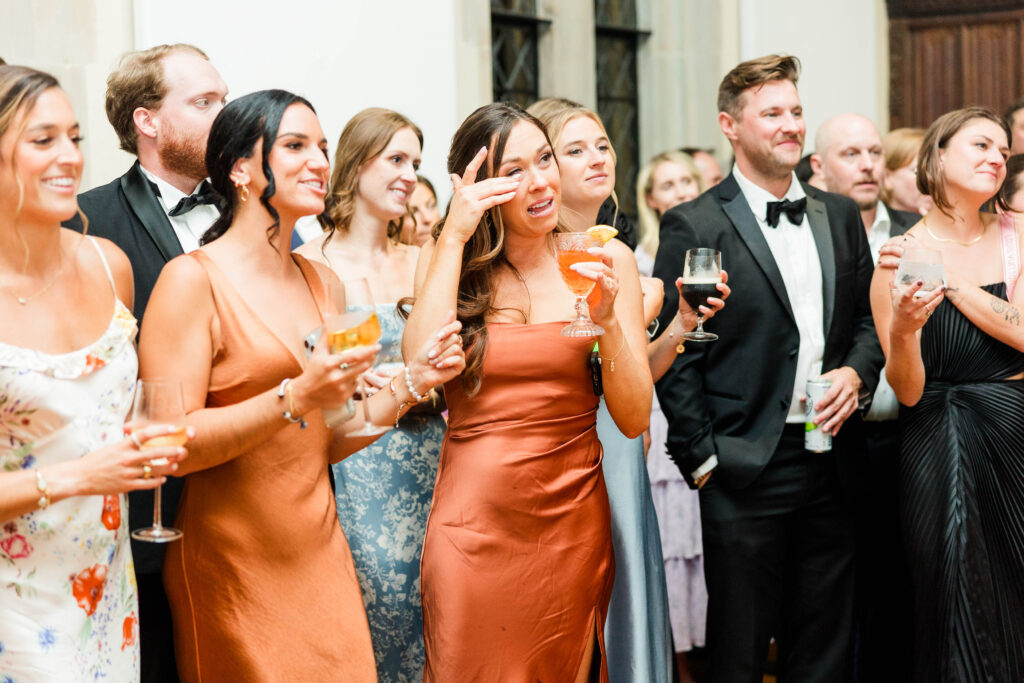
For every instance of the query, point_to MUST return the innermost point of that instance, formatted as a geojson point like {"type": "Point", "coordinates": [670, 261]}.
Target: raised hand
{"type": "Point", "coordinates": [909, 314]}
{"type": "Point", "coordinates": [689, 316]}
{"type": "Point", "coordinates": [441, 359]}
{"type": "Point", "coordinates": [329, 379]}
{"type": "Point", "coordinates": [601, 299]}
{"type": "Point", "coordinates": [472, 198]}
{"type": "Point", "coordinates": [126, 466]}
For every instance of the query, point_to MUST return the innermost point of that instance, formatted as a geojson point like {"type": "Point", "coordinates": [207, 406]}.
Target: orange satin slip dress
{"type": "Point", "coordinates": [262, 586]}
{"type": "Point", "coordinates": [517, 562]}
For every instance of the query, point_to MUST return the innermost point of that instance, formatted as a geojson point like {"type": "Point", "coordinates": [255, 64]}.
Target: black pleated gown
{"type": "Point", "coordinates": [962, 504]}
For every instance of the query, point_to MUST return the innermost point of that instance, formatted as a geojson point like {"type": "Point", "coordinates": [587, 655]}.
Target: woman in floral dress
{"type": "Point", "coordinates": [67, 369]}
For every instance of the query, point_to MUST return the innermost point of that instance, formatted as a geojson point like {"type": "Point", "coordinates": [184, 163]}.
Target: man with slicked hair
{"type": "Point", "coordinates": [778, 527]}
{"type": "Point", "coordinates": [161, 103]}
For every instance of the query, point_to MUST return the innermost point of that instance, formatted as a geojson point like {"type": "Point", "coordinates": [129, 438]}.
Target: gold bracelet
{"type": "Point", "coordinates": [44, 491]}
{"type": "Point", "coordinates": [402, 404]}
{"type": "Point", "coordinates": [611, 361]}
{"type": "Point", "coordinates": [680, 346]}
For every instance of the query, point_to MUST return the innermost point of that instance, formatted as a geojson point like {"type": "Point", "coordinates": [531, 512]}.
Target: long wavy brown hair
{"type": "Point", "coordinates": [365, 137]}
{"type": "Point", "coordinates": [484, 253]}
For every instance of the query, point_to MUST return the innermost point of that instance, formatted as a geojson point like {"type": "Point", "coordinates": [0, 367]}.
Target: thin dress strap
{"type": "Point", "coordinates": [103, 260]}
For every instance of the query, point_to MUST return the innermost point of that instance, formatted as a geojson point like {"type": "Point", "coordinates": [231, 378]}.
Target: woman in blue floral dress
{"type": "Point", "coordinates": [383, 492]}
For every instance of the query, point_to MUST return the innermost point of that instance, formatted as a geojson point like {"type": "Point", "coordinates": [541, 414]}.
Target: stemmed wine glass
{"type": "Point", "coordinates": [159, 402]}
{"type": "Point", "coordinates": [570, 248]}
{"type": "Point", "coordinates": [701, 275]}
{"type": "Point", "coordinates": [357, 326]}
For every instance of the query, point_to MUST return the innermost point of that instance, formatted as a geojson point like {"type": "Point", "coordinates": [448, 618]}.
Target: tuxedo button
{"type": "Point", "coordinates": [784, 404]}
{"type": "Point", "coordinates": [793, 352]}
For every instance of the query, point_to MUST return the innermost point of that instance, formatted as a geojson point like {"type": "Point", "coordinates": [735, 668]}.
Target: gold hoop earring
{"type": "Point", "coordinates": [243, 191]}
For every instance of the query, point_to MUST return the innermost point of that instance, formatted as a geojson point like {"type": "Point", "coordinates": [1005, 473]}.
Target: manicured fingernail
{"type": "Point", "coordinates": [432, 353]}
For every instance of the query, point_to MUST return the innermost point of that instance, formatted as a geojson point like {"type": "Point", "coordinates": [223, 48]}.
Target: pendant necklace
{"type": "Point", "coordinates": [24, 300]}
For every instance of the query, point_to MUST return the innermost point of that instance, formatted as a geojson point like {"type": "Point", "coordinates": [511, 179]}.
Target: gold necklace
{"type": "Point", "coordinates": [24, 300]}
{"type": "Point", "coordinates": [950, 240]}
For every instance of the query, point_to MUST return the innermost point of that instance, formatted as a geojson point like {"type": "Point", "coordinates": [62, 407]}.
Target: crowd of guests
{"type": "Point", "coordinates": [542, 507]}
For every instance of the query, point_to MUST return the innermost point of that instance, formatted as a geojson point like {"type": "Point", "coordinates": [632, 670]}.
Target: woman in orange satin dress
{"type": "Point", "coordinates": [517, 562]}
{"type": "Point", "coordinates": [262, 586]}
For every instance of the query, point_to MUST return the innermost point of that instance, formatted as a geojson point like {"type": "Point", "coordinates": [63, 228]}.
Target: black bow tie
{"type": "Point", "coordinates": [205, 195]}
{"type": "Point", "coordinates": [794, 211]}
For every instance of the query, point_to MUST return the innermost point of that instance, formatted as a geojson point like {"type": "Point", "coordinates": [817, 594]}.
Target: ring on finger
{"type": "Point", "coordinates": [147, 471]}
{"type": "Point", "coordinates": [135, 440]}
{"type": "Point", "coordinates": [344, 366]}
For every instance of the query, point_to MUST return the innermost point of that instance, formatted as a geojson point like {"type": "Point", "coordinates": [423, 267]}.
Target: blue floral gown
{"type": "Point", "coordinates": [383, 495]}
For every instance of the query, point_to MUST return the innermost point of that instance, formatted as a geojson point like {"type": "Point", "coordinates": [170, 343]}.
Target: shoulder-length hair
{"type": "Point", "coordinates": [930, 177]}
{"type": "Point", "coordinates": [649, 220]}
{"type": "Point", "coordinates": [234, 134]}
{"type": "Point", "coordinates": [364, 138]}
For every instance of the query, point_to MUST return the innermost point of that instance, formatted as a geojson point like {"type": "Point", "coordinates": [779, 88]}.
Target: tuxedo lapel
{"type": "Point", "coordinates": [817, 216]}
{"type": "Point", "coordinates": [149, 212]}
{"type": "Point", "coordinates": [736, 208]}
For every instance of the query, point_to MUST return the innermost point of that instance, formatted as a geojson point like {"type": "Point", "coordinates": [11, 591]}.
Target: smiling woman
{"type": "Point", "coordinates": [383, 494]}
{"type": "Point", "coordinates": [953, 357]}
{"type": "Point", "coordinates": [259, 469]}
{"type": "Point", "coordinates": [67, 370]}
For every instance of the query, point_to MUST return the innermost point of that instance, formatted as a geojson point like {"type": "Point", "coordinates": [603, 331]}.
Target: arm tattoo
{"type": "Point", "coordinates": [1010, 313]}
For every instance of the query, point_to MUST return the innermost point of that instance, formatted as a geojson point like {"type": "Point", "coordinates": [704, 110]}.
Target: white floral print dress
{"type": "Point", "coordinates": [68, 600]}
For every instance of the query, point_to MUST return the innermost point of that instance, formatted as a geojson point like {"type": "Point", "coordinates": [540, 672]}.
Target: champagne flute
{"type": "Point", "coordinates": [159, 402]}
{"type": "Point", "coordinates": [357, 326]}
{"type": "Point", "coordinates": [570, 248]}
{"type": "Point", "coordinates": [702, 271]}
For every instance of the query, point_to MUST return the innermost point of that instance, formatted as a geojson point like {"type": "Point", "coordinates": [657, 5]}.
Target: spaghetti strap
{"type": "Point", "coordinates": [103, 260]}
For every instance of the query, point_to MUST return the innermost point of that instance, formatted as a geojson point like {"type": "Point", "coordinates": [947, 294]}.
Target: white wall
{"type": "Point", "coordinates": [842, 45]}
{"type": "Point", "coordinates": [343, 56]}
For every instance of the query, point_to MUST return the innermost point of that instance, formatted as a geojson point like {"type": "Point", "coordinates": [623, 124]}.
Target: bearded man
{"type": "Point", "coordinates": [161, 102]}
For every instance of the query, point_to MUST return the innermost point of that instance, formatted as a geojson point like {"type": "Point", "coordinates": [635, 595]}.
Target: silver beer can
{"type": "Point", "coordinates": [816, 439]}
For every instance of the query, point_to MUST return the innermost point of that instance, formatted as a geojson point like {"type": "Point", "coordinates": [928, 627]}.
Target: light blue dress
{"type": "Point", "coordinates": [637, 633]}
{"type": "Point", "coordinates": [383, 495]}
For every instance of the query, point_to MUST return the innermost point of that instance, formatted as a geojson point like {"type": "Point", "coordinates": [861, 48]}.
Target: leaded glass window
{"type": "Point", "coordinates": [617, 100]}
{"type": "Point", "coordinates": [514, 29]}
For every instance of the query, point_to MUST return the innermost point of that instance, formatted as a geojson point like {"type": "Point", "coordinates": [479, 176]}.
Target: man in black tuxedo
{"type": "Point", "coordinates": [778, 529]}
{"type": "Point", "coordinates": [161, 102]}
{"type": "Point", "coordinates": [850, 159]}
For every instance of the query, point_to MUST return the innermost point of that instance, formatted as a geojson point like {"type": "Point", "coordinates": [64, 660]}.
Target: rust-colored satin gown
{"type": "Point", "coordinates": [517, 562]}
{"type": "Point", "coordinates": [262, 586]}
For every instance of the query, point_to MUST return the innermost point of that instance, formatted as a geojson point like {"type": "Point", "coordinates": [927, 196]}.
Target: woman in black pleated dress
{"type": "Point", "coordinates": [954, 358]}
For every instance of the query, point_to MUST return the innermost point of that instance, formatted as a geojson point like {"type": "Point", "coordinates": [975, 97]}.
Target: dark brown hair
{"type": "Point", "coordinates": [753, 73]}
{"type": "Point", "coordinates": [1014, 181]}
{"type": "Point", "coordinates": [484, 253]}
{"type": "Point", "coordinates": [930, 177]}
{"type": "Point", "coordinates": [138, 81]}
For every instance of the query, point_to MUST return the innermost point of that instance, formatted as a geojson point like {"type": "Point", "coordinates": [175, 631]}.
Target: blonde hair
{"type": "Point", "coordinates": [901, 147]}
{"type": "Point", "coordinates": [555, 112]}
{"type": "Point", "coordinates": [649, 220]}
{"type": "Point", "coordinates": [138, 81]}
{"type": "Point", "coordinates": [20, 88]}
{"type": "Point", "coordinates": [364, 138]}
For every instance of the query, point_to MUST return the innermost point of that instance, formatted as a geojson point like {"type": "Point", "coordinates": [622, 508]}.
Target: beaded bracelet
{"type": "Point", "coordinates": [412, 390]}
{"type": "Point", "coordinates": [44, 492]}
{"type": "Point", "coordinates": [286, 390]}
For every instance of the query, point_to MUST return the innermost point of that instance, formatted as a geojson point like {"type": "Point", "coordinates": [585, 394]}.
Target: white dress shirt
{"type": "Point", "coordinates": [191, 226]}
{"type": "Point", "coordinates": [884, 405]}
{"type": "Point", "coordinates": [796, 256]}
